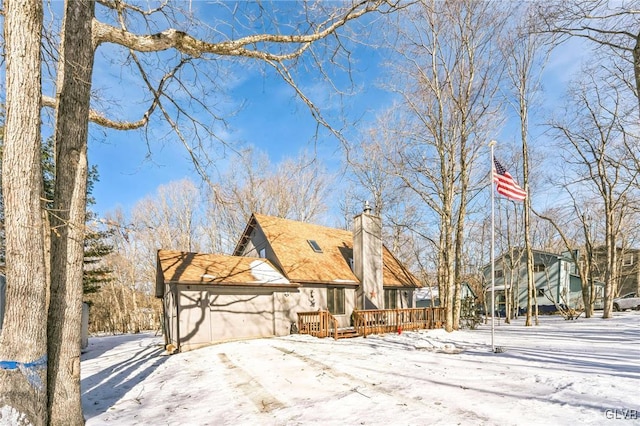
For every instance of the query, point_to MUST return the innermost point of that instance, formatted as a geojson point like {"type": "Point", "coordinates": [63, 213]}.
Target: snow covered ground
{"type": "Point", "coordinates": [561, 372]}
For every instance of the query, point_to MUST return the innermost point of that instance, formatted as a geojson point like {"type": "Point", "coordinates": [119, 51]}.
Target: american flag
{"type": "Point", "coordinates": [505, 185]}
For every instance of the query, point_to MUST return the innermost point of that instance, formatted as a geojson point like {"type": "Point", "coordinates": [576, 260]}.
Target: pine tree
{"type": "Point", "coordinates": [95, 246]}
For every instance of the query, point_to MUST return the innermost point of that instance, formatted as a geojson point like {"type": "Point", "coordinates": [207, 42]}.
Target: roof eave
{"type": "Point", "coordinates": [249, 284]}
{"type": "Point", "coordinates": [329, 283]}
{"type": "Point", "coordinates": [245, 236]}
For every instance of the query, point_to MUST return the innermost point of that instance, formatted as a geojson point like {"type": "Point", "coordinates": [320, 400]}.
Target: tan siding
{"type": "Point", "coordinates": [206, 317]}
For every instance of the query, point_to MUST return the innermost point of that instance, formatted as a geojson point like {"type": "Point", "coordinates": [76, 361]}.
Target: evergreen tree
{"type": "Point", "coordinates": [94, 274]}
{"type": "Point", "coordinates": [95, 246]}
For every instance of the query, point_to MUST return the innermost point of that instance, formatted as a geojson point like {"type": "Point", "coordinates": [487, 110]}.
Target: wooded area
{"type": "Point", "coordinates": [462, 72]}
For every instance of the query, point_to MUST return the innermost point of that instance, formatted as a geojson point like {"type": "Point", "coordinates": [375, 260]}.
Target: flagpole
{"type": "Point", "coordinates": [492, 144]}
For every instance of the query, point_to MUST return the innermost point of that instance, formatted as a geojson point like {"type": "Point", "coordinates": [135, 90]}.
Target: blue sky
{"type": "Point", "coordinates": [272, 119]}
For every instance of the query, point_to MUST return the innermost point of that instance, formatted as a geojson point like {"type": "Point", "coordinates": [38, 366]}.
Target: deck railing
{"type": "Point", "coordinates": [380, 321]}
{"type": "Point", "coordinates": [372, 321]}
{"type": "Point", "coordinates": [318, 324]}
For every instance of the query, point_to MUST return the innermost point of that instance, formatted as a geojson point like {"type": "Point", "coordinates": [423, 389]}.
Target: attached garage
{"type": "Point", "coordinates": [215, 298]}
{"type": "Point", "coordinates": [207, 316]}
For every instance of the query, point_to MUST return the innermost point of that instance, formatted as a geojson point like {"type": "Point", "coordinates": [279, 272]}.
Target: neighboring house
{"type": "Point", "coordinates": [279, 267]}
{"type": "Point", "coordinates": [427, 297]}
{"type": "Point", "coordinates": [629, 267]}
{"type": "Point", "coordinates": [555, 279]}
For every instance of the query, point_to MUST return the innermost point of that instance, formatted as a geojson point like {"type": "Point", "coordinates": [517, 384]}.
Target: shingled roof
{"type": "Point", "coordinates": [196, 268]}
{"type": "Point", "coordinates": [299, 262]}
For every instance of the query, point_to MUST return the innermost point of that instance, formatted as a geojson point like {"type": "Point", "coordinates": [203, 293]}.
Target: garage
{"type": "Point", "coordinates": [216, 315]}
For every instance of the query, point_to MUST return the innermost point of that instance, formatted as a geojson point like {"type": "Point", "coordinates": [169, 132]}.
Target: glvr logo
{"type": "Point", "coordinates": [621, 414]}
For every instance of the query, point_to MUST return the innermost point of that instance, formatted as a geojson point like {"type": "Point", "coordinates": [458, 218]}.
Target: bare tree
{"type": "Point", "coordinates": [23, 341]}
{"type": "Point", "coordinates": [299, 189]}
{"type": "Point", "coordinates": [525, 54]}
{"type": "Point", "coordinates": [133, 260]}
{"type": "Point", "coordinates": [296, 188]}
{"type": "Point", "coordinates": [171, 216]}
{"type": "Point", "coordinates": [373, 176]}
{"type": "Point", "coordinates": [372, 172]}
{"type": "Point", "coordinates": [614, 27]}
{"type": "Point", "coordinates": [593, 139]}
{"type": "Point", "coordinates": [169, 30]}
{"type": "Point", "coordinates": [75, 67]}
{"type": "Point", "coordinates": [448, 66]}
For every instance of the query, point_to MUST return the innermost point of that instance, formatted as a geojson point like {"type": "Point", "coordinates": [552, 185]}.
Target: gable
{"type": "Point", "coordinates": [300, 262]}
{"type": "Point", "coordinates": [309, 253]}
{"type": "Point", "coordinates": [394, 273]}
{"type": "Point", "coordinates": [195, 268]}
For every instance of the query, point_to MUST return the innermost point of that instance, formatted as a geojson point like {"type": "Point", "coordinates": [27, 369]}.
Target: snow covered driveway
{"type": "Point", "coordinates": [561, 372]}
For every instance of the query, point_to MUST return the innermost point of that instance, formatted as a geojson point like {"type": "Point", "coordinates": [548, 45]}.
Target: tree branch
{"type": "Point", "coordinates": [187, 44]}
{"type": "Point", "coordinates": [97, 118]}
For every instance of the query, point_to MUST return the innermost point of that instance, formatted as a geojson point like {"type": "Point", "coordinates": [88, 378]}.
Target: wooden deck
{"type": "Point", "coordinates": [365, 322]}
{"type": "Point", "coordinates": [318, 324]}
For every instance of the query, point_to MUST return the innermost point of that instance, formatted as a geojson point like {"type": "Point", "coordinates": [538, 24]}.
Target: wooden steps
{"type": "Point", "coordinates": [347, 333]}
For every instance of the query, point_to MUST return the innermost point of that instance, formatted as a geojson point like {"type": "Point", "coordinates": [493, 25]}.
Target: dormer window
{"type": "Point", "coordinates": [315, 246]}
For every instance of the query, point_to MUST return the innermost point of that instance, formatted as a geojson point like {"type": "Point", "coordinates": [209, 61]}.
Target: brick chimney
{"type": "Point", "coordinates": [367, 259]}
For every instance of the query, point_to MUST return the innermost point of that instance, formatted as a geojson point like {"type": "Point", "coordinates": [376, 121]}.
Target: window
{"type": "Point", "coordinates": [390, 299]}
{"type": "Point", "coordinates": [539, 267]}
{"type": "Point", "coordinates": [335, 300]}
{"type": "Point", "coordinates": [541, 292]}
{"type": "Point", "coordinates": [315, 246]}
{"type": "Point", "coordinates": [262, 253]}
{"type": "Point", "coordinates": [627, 260]}
{"type": "Point", "coordinates": [498, 273]}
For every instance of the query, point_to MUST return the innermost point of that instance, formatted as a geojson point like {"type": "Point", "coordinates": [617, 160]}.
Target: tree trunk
{"type": "Point", "coordinates": [636, 67]}
{"type": "Point", "coordinates": [67, 239]}
{"type": "Point", "coordinates": [460, 235]}
{"type": "Point", "coordinates": [448, 269]}
{"type": "Point", "coordinates": [115, 315]}
{"type": "Point", "coordinates": [23, 342]}
{"type": "Point", "coordinates": [524, 132]}
{"type": "Point", "coordinates": [585, 269]}
{"type": "Point", "coordinates": [609, 274]}
{"type": "Point", "coordinates": [125, 318]}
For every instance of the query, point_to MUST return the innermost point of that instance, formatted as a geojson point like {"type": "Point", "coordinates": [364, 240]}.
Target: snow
{"type": "Point", "coordinates": [560, 372]}
{"type": "Point", "coordinates": [264, 273]}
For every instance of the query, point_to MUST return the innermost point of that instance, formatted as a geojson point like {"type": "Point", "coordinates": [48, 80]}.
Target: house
{"type": "Point", "coordinates": [279, 268]}
{"type": "Point", "coordinates": [430, 296]}
{"type": "Point", "coordinates": [628, 267]}
{"type": "Point", "coordinates": [555, 279]}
